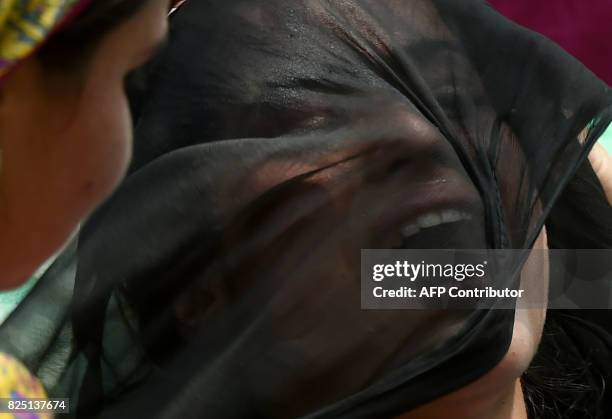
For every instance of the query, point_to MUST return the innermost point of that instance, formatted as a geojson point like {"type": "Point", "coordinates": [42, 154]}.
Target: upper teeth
{"type": "Point", "coordinates": [433, 219]}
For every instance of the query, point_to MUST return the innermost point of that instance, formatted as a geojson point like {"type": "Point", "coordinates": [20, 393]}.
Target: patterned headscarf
{"type": "Point", "coordinates": [26, 24]}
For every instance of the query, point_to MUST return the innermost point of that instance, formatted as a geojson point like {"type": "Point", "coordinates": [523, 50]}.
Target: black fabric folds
{"type": "Point", "coordinates": [274, 140]}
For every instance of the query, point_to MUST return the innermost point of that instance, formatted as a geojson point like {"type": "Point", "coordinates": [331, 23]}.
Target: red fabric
{"type": "Point", "coordinates": [582, 27]}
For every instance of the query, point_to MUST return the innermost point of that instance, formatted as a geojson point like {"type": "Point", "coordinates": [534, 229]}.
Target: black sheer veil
{"type": "Point", "coordinates": [273, 141]}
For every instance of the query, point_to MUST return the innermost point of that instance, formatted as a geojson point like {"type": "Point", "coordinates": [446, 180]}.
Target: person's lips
{"type": "Point", "coordinates": [434, 219]}
{"type": "Point", "coordinates": [443, 212]}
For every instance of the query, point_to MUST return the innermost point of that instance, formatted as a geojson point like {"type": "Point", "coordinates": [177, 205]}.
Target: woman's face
{"type": "Point", "coordinates": [66, 138]}
{"type": "Point", "coordinates": [401, 185]}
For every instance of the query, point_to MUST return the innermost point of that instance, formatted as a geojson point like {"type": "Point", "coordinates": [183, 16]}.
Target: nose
{"type": "Point", "coordinates": [401, 138]}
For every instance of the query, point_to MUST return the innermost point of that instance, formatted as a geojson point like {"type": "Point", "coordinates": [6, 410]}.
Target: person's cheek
{"type": "Point", "coordinates": [106, 142]}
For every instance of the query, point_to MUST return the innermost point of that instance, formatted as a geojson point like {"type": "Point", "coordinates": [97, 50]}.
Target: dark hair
{"type": "Point", "coordinates": [561, 382]}
{"type": "Point", "coordinates": [73, 44]}
{"type": "Point", "coordinates": [564, 379]}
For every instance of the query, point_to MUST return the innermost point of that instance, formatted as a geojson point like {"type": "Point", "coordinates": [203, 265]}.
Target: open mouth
{"type": "Point", "coordinates": [434, 219]}
{"type": "Point", "coordinates": [442, 229]}
{"type": "Point", "coordinates": [441, 212]}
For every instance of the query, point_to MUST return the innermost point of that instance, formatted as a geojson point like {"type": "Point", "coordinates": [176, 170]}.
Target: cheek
{"type": "Point", "coordinates": [104, 135]}
{"type": "Point", "coordinates": [530, 314]}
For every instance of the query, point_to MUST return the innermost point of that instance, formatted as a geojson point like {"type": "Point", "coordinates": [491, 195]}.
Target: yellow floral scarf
{"type": "Point", "coordinates": [16, 383]}
{"type": "Point", "coordinates": [26, 24]}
